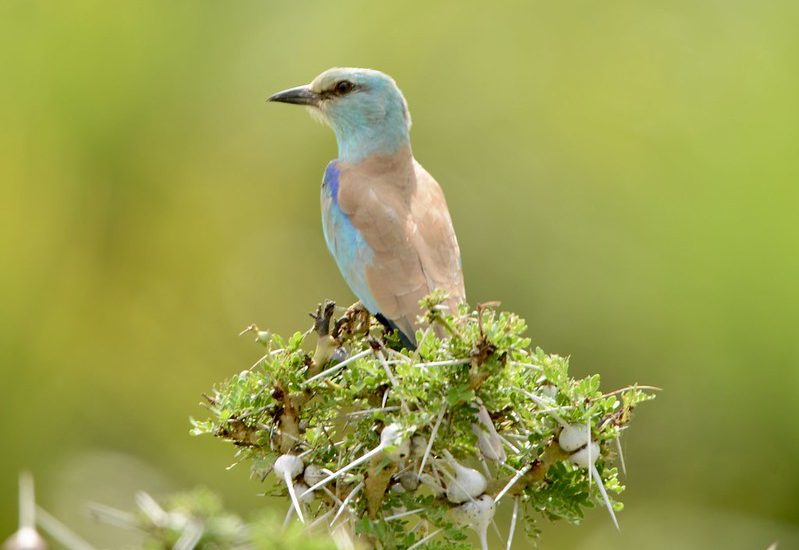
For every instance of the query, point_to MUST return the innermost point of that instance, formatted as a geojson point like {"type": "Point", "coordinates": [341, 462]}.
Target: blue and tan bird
{"type": "Point", "coordinates": [385, 219]}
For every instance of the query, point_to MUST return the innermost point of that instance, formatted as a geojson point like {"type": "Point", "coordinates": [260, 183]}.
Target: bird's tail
{"type": "Point", "coordinates": [406, 340]}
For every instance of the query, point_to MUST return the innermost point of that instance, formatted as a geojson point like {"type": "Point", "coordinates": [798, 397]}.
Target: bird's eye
{"type": "Point", "coordinates": [344, 87]}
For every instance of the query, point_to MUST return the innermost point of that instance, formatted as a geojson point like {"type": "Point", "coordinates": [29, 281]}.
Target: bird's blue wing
{"type": "Point", "coordinates": [346, 244]}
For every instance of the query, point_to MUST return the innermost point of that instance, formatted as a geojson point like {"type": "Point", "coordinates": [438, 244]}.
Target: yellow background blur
{"type": "Point", "coordinates": [623, 174]}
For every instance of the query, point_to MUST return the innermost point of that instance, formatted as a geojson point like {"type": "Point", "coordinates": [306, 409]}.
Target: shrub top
{"type": "Point", "coordinates": [473, 398]}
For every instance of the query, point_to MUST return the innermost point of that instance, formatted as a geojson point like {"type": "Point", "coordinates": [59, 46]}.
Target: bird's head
{"type": "Point", "coordinates": [365, 109]}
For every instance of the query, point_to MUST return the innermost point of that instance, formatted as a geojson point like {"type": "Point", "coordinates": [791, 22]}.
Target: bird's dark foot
{"type": "Point", "coordinates": [322, 317]}
{"type": "Point", "coordinates": [325, 345]}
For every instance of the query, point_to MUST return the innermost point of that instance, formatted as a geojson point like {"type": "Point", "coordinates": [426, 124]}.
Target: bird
{"type": "Point", "coordinates": [384, 217]}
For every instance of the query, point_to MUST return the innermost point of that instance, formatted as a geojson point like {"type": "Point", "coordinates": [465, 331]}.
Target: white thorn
{"type": "Point", "coordinates": [512, 481]}
{"type": "Point", "coordinates": [541, 403]}
{"type": "Point", "coordinates": [531, 366]}
{"type": "Point", "coordinates": [446, 363]}
{"type": "Point", "coordinates": [401, 359]}
{"type": "Point", "coordinates": [391, 377]}
{"type": "Point", "coordinates": [287, 519]}
{"type": "Point", "coordinates": [375, 410]}
{"type": "Point", "coordinates": [268, 354]}
{"type": "Point", "coordinates": [347, 468]}
{"type": "Point", "coordinates": [343, 537]}
{"type": "Point", "coordinates": [385, 398]}
{"type": "Point", "coordinates": [421, 340]}
{"type": "Point", "coordinates": [621, 456]}
{"type": "Point", "coordinates": [507, 466]}
{"type": "Point", "coordinates": [427, 479]}
{"type": "Point", "coordinates": [112, 516]}
{"type": "Point", "coordinates": [485, 467]}
{"type": "Point", "coordinates": [338, 366]}
{"type": "Point", "coordinates": [151, 509]}
{"type": "Point", "coordinates": [384, 363]}
{"type": "Point", "coordinates": [293, 495]}
{"type": "Point", "coordinates": [554, 410]}
{"type": "Point", "coordinates": [513, 520]}
{"type": "Point", "coordinates": [605, 496]}
{"type": "Point", "coordinates": [488, 439]}
{"type": "Point", "coordinates": [258, 361]}
{"type": "Point", "coordinates": [404, 514]}
{"type": "Point", "coordinates": [191, 535]}
{"type": "Point", "coordinates": [435, 473]}
{"type": "Point", "coordinates": [60, 532]}
{"type": "Point", "coordinates": [27, 501]}
{"type": "Point", "coordinates": [318, 521]}
{"type": "Point", "coordinates": [332, 495]}
{"type": "Point", "coordinates": [346, 501]}
{"type": "Point", "coordinates": [432, 438]}
{"type": "Point", "coordinates": [588, 449]}
{"type": "Point", "coordinates": [484, 539]}
{"type": "Point", "coordinates": [510, 445]}
{"type": "Point", "coordinates": [496, 528]}
{"type": "Point", "coordinates": [425, 539]}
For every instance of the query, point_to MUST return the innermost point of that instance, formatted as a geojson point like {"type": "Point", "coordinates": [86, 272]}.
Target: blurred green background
{"type": "Point", "coordinates": [623, 174]}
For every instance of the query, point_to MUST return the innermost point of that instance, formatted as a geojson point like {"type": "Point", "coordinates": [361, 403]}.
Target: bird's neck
{"type": "Point", "coordinates": [360, 140]}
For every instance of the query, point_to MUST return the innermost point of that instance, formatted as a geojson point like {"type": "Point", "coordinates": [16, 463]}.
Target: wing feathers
{"type": "Point", "coordinates": [401, 213]}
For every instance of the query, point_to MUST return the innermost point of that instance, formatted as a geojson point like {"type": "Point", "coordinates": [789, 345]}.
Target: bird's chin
{"type": "Point", "coordinates": [317, 114]}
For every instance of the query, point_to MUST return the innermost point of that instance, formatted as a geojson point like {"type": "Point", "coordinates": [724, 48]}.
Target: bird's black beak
{"type": "Point", "coordinates": [301, 95]}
